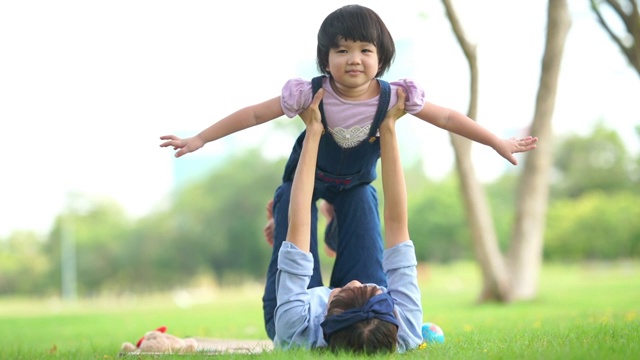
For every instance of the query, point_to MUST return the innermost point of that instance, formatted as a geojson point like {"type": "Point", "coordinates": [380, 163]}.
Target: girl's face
{"type": "Point", "coordinates": [353, 64]}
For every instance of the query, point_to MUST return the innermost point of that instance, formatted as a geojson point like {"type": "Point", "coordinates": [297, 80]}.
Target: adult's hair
{"type": "Point", "coordinates": [369, 336]}
{"type": "Point", "coordinates": [355, 23]}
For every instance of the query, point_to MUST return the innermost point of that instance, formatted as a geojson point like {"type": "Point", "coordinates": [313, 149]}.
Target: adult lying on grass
{"type": "Point", "coordinates": [359, 318]}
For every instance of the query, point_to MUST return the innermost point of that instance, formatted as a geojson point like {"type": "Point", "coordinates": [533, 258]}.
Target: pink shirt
{"type": "Point", "coordinates": [340, 113]}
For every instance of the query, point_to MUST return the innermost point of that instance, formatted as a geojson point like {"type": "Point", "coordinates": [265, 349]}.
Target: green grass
{"type": "Point", "coordinates": [582, 312]}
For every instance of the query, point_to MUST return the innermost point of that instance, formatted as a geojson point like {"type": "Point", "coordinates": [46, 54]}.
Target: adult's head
{"type": "Point", "coordinates": [360, 319]}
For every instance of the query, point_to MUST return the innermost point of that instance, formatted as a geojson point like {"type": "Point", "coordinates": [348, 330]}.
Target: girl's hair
{"type": "Point", "coordinates": [369, 336]}
{"type": "Point", "coordinates": [355, 23]}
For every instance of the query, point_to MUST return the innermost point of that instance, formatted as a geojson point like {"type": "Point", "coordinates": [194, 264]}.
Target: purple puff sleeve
{"type": "Point", "coordinates": [415, 95]}
{"type": "Point", "coordinates": [296, 96]}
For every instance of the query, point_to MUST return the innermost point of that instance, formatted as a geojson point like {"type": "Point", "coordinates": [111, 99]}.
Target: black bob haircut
{"type": "Point", "coordinates": [355, 23]}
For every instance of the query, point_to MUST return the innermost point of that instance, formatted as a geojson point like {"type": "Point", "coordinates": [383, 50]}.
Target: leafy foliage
{"type": "Point", "coordinates": [598, 161]}
{"type": "Point", "coordinates": [212, 227]}
{"type": "Point", "coordinates": [595, 226]}
{"type": "Point", "coordinates": [96, 230]}
{"type": "Point", "coordinates": [221, 218]}
{"type": "Point", "coordinates": [23, 265]}
{"type": "Point", "coordinates": [437, 222]}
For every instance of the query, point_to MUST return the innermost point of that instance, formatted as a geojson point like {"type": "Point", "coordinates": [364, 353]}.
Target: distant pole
{"type": "Point", "coordinates": [68, 256]}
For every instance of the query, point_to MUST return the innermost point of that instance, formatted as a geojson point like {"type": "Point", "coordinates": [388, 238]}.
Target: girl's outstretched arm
{"type": "Point", "coordinates": [239, 120]}
{"type": "Point", "coordinates": [299, 231]}
{"type": "Point", "coordinates": [396, 218]}
{"type": "Point", "coordinates": [462, 125]}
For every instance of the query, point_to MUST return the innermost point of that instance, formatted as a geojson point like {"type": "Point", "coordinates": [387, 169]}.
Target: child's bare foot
{"type": "Point", "coordinates": [326, 210]}
{"type": "Point", "coordinates": [270, 226]}
{"type": "Point", "coordinates": [329, 251]}
{"type": "Point", "coordinates": [331, 231]}
{"type": "Point", "coordinates": [268, 231]}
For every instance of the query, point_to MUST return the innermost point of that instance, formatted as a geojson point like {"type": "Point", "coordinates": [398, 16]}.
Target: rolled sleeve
{"type": "Point", "coordinates": [399, 256]}
{"type": "Point", "coordinates": [399, 262]}
{"type": "Point", "coordinates": [295, 261]}
{"type": "Point", "coordinates": [292, 314]}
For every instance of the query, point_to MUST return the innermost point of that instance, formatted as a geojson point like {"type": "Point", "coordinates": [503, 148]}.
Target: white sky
{"type": "Point", "coordinates": [87, 87]}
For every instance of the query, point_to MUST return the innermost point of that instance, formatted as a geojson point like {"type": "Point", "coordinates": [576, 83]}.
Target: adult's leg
{"type": "Point", "coordinates": [360, 247]}
{"type": "Point", "coordinates": [281, 219]}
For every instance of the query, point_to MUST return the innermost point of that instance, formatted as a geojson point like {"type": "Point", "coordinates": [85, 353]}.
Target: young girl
{"type": "Point", "coordinates": [354, 50]}
{"type": "Point", "coordinates": [358, 318]}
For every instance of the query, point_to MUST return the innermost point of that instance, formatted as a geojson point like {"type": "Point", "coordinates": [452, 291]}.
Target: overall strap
{"type": "Point", "coordinates": [383, 106]}
{"type": "Point", "coordinates": [316, 84]}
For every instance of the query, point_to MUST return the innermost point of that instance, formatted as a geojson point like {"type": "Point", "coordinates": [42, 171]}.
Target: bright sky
{"type": "Point", "coordinates": [87, 87]}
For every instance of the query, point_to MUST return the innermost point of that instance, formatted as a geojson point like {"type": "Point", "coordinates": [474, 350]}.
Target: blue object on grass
{"type": "Point", "coordinates": [432, 333]}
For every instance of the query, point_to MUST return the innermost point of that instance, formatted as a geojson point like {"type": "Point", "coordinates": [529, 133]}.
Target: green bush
{"type": "Point", "coordinates": [594, 226]}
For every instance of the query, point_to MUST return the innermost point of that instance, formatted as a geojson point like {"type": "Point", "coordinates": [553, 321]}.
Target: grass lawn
{"type": "Point", "coordinates": [582, 312]}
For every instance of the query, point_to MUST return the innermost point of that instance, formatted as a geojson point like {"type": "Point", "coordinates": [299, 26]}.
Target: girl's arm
{"type": "Point", "coordinates": [239, 120]}
{"type": "Point", "coordinates": [396, 220]}
{"type": "Point", "coordinates": [304, 179]}
{"type": "Point", "coordinates": [462, 125]}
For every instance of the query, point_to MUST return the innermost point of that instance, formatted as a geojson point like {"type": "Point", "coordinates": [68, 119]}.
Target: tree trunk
{"type": "Point", "coordinates": [525, 254]}
{"type": "Point", "coordinates": [485, 243]}
{"type": "Point", "coordinates": [520, 279]}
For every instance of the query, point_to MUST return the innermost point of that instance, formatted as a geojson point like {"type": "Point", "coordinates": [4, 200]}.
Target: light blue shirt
{"type": "Point", "coordinates": [300, 310]}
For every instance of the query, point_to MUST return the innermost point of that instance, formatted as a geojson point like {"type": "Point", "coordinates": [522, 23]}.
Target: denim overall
{"type": "Point", "coordinates": [343, 178]}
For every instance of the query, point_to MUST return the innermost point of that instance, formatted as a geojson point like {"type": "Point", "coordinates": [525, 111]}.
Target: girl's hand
{"type": "Point", "coordinates": [185, 145]}
{"type": "Point", "coordinates": [311, 115]}
{"type": "Point", "coordinates": [507, 147]}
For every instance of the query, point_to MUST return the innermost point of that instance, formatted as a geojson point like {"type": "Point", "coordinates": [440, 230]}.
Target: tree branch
{"type": "Point", "coordinates": [631, 20]}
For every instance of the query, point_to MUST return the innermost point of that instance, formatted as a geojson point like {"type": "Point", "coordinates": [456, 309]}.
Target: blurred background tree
{"type": "Point", "coordinates": [610, 13]}
{"type": "Point", "coordinates": [212, 227]}
{"type": "Point", "coordinates": [597, 161]}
